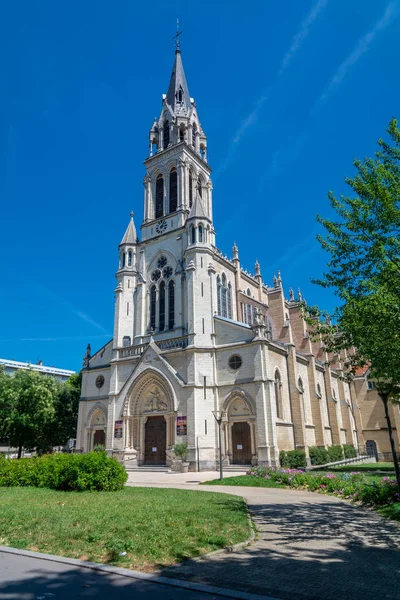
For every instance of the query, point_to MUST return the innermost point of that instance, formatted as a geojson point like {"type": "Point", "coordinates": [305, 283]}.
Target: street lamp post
{"type": "Point", "coordinates": [218, 416]}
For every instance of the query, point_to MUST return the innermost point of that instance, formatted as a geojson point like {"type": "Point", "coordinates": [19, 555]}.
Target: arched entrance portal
{"type": "Point", "coordinates": [150, 418]}
{"type": "Point", "coordinates": [96, 430]}
{"type": "Point", "coordinates": [240, 445]}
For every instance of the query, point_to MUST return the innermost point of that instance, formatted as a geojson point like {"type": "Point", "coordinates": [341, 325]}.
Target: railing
{"type": "Point", "coordinates": [174, 343]}
{"type": "Point", "coordinates": [178, 343]}
{"type": "Point", "coordinates": [132, 351]}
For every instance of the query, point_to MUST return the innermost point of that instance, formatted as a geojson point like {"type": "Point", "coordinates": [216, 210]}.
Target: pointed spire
{"type": "Point", "coordinates": [257, 268]}
{"type": "Point", "coordinates": [235, 251]}
{"type": "Point", "coordinates": [130, 236]}
{"type": "Point", "coordinates": [291, 295]}
{"type": "Point", "coordinates": [178, 91]}
{"type": "Point", "coordinates": [197, 210]}
{"type": "Point", "coordinates": [87, 356]}
{"type": "Point", "coordinates": [299, 295]}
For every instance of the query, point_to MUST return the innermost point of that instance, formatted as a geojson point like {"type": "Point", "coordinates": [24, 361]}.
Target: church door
{"type": "Point", "coordinates": [155, 441]}
{"type": "Point", "coordinates": [241, 444]}
{"type": "Point", "coordinates": [371, 449]}
{"type": "Point", "coordinates": [99, 437]}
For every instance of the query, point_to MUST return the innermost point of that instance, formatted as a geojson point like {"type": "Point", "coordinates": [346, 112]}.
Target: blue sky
{"type": "Point", "coordinates": [288, 93]}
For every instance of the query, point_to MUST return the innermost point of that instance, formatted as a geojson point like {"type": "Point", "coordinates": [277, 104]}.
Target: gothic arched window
{"type": "Point", "coordinates": [162, 306]}
{"type": "Point", "coordinates": [248, 311]}
{"type": "Point", "coordinates": [194, 131]}
{"type": "Point", "coordinates": [200, 233]}
{"type": "Point", "coordinates": [219, 295]}
{"type": "Point", "coordinates": [278, 394]}
{"type": "Point", "coordinates": [182, 133]}
{"type": "Point", "coordinates": [159, 196]}
{"type": "Point", "coordinates": [123, 257]}
{"type": "Point", "coordinates": [193, 235]}
{"type": "Point", "coordinates": [190, 189]}
{"type": "Point", "coordinates": [130, 258]}
{"type": "Point", "coordinates": [171, 305]}
{"type": "Point", "coordinates": [153, 301]}
{"type": "Point", "coordinates": [301, 390]}
{"type": "Point", "coordinates": [229, 301]}
{"type": "Point", "coordinates": [224, 297]}
{"type": "Point", "coordinates": [173, 190]}
{"type": "Point", "coordinates": [166, 134]}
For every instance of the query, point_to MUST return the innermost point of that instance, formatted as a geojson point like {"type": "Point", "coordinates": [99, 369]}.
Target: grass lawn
{"type": "Point", "coordinates": [245, 480]}
{"type": "Point", "coordinates": [155, 527]}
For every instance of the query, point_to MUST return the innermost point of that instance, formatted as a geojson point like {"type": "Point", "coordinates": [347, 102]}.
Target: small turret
{"type": "Point", "coordinates": [127, 247]}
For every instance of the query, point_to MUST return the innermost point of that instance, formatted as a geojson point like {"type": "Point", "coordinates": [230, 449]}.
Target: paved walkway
{"type": "Point", "coordinates": [308, 547]}
{"type": "Point", "coordinates": [27, 578]}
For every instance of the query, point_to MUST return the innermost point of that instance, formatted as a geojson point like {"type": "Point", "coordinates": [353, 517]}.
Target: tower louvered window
{"type": "Point", "coordinates": [224, 297]}
{"type": "Point", "coordinates": [166, 134]}
{"type": "Point", "coordinates": [159, 196]}
{"type": "Point", "coordinates": [173, 190]}
{"type": "Point", "coordinates": [162, 306]}
{"type": "Point", "coordinates": [194, 131]}
{"type": "Point", "coordinates": [153, 301]}
{"type": "Point", "coordinates": [171, 305]}
{"type": "Point", "coordinates": [199, 188]}
{"type": "Point", "coordinates": [190, 190]}
{"type": "Point", "coordinates": [219, 294]}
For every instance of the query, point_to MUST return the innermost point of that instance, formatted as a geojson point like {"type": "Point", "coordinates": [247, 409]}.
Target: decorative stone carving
{"type": "Point", "coordinates": [155, 403]}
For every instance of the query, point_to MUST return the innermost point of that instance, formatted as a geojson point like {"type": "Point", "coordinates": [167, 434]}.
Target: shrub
{"type": "Point", "coordinates": [335, 453]}
{"type": "Point", "coordinates": [99, 448]}
{"type": "Point", "coordinates": [94, 471]}
{"type": "Point", "coordinates": [292, 459]}
{"type": "Point", "coordinates": [318, 455]}
{"type": "Point", "coordinates": [181, 450]}
{"type": "Point", "coordinates": [349, 451]}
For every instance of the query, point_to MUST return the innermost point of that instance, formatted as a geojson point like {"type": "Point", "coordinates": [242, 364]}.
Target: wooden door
{"type": "Point", "coordinates": [155, 441]}
{"type": "Point", "coordinates": [99, 437]}
{"type": "Point", "coordinates": [371, 448]}
{"type": "Point", "coordinates": [241, 444]}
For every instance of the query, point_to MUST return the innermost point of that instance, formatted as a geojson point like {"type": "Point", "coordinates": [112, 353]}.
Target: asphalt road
{"type": "Point", "coordinates": [25, 578]}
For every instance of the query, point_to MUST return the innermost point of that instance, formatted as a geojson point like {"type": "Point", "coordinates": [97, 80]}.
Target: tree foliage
{"type": "Point", "coordinates": [364, 271]}
{"type": "Point", "coordinates": [37, 411]}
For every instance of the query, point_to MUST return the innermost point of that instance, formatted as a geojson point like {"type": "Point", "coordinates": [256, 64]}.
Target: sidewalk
{"type": "Point", "coordinates": [309, 546]}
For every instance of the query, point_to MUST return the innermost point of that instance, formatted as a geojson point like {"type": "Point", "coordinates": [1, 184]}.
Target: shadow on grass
{"type": "Point", "coordinates": [308, 551]}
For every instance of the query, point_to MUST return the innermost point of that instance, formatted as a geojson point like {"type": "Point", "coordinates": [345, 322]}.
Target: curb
{"type": "Point", "coordinates": [208, 589]}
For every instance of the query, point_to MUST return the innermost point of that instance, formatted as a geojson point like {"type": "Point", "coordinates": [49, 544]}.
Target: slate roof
{"type": "Point", "coordinates": [177, 81]}
{"type": "Point", "coordinates": [197, 210]}
{"type": "Point", "coordinates": [130, 236]}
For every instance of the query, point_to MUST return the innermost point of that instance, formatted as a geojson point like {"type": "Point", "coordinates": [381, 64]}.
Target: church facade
{"type": "Point", "coordinates": [196, 335]}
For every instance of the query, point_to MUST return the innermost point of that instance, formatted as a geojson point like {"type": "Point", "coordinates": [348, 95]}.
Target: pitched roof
{"type": "Point", "coordinates": [130, 236]}
{"type": "Point", "coordinates": [178, 82]}
{"type": "Point", "coordinates": [197, 210]}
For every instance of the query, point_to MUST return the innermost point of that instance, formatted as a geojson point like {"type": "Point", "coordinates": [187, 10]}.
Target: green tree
{"type": "Point", "coordinates": [63, 425]}
{"type": "Point", "coordinates": [364, 271]}
{"type": "Point", "coordinates": [27, 405]}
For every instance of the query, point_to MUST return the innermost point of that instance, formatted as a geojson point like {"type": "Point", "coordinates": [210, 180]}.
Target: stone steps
{"type": "Point", "coordinates": [148, 469]}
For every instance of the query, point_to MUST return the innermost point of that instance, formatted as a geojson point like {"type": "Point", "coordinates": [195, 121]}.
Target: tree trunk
{"type": "Point", "coordinates": [19, 450]}
{"type": "Point", "coordinates": [385, 400]}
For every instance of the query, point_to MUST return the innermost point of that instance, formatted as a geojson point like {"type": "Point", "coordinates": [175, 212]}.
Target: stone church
{"type": "Point", "coordinates": [196, 335]}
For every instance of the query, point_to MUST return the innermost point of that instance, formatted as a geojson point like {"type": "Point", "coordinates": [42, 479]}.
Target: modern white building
{"type": "Point", "coordinates": [196, 333]}
{"type": "Point", "coordinates": [10, 366]}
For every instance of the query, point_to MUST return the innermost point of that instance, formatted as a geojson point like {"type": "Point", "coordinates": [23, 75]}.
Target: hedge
{"type": "Point", "coordinates": [349, 451]}
{"type": "Point", "coordinates": [94, 471]}
{"type": "Point", "coordinates": [292, 459]}
{"type": "Point", "coordinates": [335, 453]}
{"type": "Point", "coordinates": [318, 455]}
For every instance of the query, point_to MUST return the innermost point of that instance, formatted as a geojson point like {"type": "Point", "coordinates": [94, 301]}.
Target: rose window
{"type": "Point", "coordinates": [162, 261]}
{"type": "Point", "coordinates": [155, 276]}
{"type": "Point", "coordinates": [167, 272]}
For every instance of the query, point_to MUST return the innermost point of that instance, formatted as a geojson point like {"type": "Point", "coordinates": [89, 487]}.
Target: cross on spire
{"type": "Point", "coordinates": [176, 36]}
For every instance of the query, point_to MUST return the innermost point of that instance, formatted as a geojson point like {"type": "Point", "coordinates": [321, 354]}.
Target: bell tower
{"type": "Point", "coordinates": [177, 166]}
